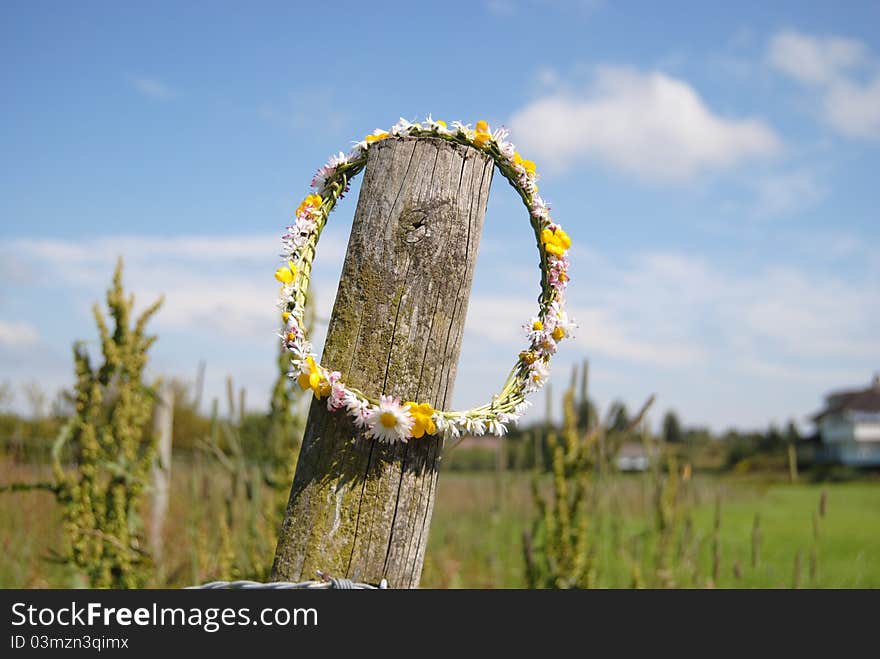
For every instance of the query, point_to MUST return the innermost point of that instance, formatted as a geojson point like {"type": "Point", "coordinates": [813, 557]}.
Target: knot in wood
{"type": "Point", "coordinates": [417, 223]}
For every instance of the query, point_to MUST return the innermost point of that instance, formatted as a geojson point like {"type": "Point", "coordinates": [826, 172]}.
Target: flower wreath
{"type": "Point", "coordinates": [387, 419]}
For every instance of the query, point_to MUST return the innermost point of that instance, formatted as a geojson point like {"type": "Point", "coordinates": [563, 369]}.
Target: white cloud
{"type": "Point", "coordinates": [216, 282]}
{"type": "Point", "coordinates": [18, 334]}
{"type": "Point", "coordinates": [219, 303]}
{"type": "Point", "coordinates": [689, 328]}
{"type": "Point", "coordinates": [151, 87]}
{"type": "Point", "coordinates": [726, 341]}
{"type": "Point", "coordinates": [788, 192]}
{"type": "Point", "coordinates": [511, 7]}
{"type": "Point", "coordinates": [314, 109]}
{"type": "Point", "coordinates": [501, 7]}
{"type": "Point", "coordinates": [599, 332]}
{"type": "Point", "coordinates": [814, 60]}
{"type": "Point", "coordinates": [650, 124]}
{"type": "Point", "coordinates": [853, 109]}
{"type": "Point", "coordinates": [793, 313]}
{"type": "Point", "coordinates": [674, 311]}
{"type": "Point", "coordinates": [848, 103]}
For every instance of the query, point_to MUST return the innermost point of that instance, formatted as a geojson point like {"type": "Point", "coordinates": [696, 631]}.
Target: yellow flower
{"type": "Point", "coordinates": [286, 274]}
{"type": "Point", "coordinates": [528, 165]}
{"type": "Point", "coordinates": [558, 334]}
{"type": "Point", "coordinates": [422, 421]}
{"type": "Point", "coordinates": [314, 380]}
{"type": "Point", "coordinates": [285, 316]}
{"type": "Point", "coordinates": [555, 241]}
{"type": "Point", "coordinates": [311, 202]}
{"type": "Point", "coordinates": [376, 136]}
{"type": "Point", "coordinates": [538, 325]}
{"type": "Point", "coordinates": [527, 357]}
{"type": "Point", "coordinates": [440, 122]}
{"type": "Point", "coordinates": [482, 134]}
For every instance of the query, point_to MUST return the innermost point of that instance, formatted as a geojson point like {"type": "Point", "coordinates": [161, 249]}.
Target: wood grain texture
{"type": "Point", "coordinates": [359, 508]}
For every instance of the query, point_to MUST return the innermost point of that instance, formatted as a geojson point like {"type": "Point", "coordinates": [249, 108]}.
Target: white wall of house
{"type": "Point", "coordinates": [838, 429]}
{"type": "Point", "coordinates": [632, 462]}
{"type": "Point", "coordinates": [867, 431]}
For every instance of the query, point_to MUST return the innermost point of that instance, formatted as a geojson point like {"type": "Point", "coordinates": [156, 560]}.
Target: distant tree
{"type": "Point", "coordinates": [792, 436]}
{"type": "Point", "coordinates": [618, 417]}
{"type": "Point", "coordinates": [697, 435]}
{"type": "Point", "coordinates": [672, 428]}
{"type": "Point", "coordinates": [189, 424]}
{"type": "Point", "coordinates": [63, 404]}
{"type": "Point", "coordinates": [7, 395]}
{"type": "Point", "coordinates": [772, 440]}
{"type": "Point", "coordinates": [36, 399]}
{"type": "Point", "coordinates": [587, 417]}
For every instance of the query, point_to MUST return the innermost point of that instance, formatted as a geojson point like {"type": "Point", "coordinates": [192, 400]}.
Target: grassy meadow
{"type": "Point", "coordinates": [476, 538]}
{"type": "Point", "coordinates": [478, 524]}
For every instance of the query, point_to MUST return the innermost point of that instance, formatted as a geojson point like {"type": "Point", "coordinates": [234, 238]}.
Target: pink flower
{"type": "Point", "coordinates": [336, 399]}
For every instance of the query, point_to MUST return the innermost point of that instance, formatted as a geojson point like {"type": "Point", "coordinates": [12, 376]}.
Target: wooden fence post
{"type": "Point", "coordinates": [163, 422]}
{"type": "Point", "coordinates": [359, 508]}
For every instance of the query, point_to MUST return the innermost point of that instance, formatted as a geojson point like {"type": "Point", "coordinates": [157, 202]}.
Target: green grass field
{"type": "Point", "coordinates": [476, 535]}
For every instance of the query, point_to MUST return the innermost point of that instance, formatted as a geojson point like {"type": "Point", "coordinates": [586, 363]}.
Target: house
{"type": "Point", "coordinates": [632, 456]}
{"type": "Point", "coordinates": [849, 427]}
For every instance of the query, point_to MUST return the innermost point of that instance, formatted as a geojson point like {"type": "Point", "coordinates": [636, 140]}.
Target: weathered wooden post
{"type": "Point", "coordinates": [359, 508]}
{"type": "Point", "coordinates": [163, 422]}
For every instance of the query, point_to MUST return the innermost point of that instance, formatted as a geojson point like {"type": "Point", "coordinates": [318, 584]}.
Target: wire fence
{"type": "Point", "coordinates": [324, 582]}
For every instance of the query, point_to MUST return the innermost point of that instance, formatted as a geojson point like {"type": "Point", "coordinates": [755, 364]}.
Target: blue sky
{"type": "Point", "coordinates": [715, 165]}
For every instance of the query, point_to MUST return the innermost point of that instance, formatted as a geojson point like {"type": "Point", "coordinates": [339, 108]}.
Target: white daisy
{"type": "Point", "coordinates": [437, 126]}
{"type": "Point", "coordinates": [359, 410]}
{"type": "Point", "coordinates": [286, 293]}
{"type": "Point", "coordinates": [461, 423]}
{"type": "Point", "coordinates": [500, 135]}
{"type": "Point", "coordinates": [389, 421]}
{"type": "Point", "coordinates": [462, 129]}
{"type": "Point", "coordinates": [319, 180]}
{"type": "Point", "coordinates": [507, 149]}
{"type": "Point", "coordinates": [539, 208]}
{"type": "Point", "coordinates": [301, 350]}
{"type": "Point", "coordinates": [521, 407]}
{"type": "Point", "coordinates": [475, 426]}
{"type": "Point", "coordinates": [536, 329]}
{"type": "Point", "coordinates": [538, 374]}
{"type": "Point", "coordinates": [508, 417]}
{"type": "Point", "coordinates": [446, 427]}
{"type": "Point", "coordinates": [497, 428]}
{"type": "Point", "coordinates": [402, 127]}
{"type": "Point", "coordinates": [547, 345]}
{"type": "Point", "coordinates": [337, 159]}
{"type": "Point", "coordinates": [566, 323]}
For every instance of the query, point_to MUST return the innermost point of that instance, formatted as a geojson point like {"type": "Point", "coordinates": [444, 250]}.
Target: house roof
{"type": "Point", "coordinates": [862, 400]}
{"type": "Point", "coordinates": [632, 450]}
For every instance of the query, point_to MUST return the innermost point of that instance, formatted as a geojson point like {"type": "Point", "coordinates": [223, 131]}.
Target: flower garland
{"type": "Point", "coordinates": [388, 419]}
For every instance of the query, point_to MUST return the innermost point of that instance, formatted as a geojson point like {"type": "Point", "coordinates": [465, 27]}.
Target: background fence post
{"type": "Point", "coordinates": [163, 422]}
{"type": "Point", "coordinates": [358, 508]}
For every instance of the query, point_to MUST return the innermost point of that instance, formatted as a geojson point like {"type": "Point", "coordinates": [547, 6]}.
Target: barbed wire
{"type": "Point", "coordinates": [324, 582]}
